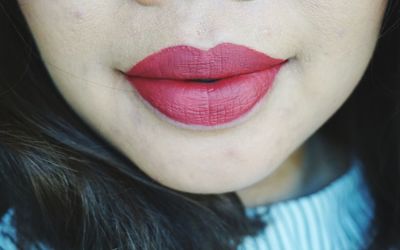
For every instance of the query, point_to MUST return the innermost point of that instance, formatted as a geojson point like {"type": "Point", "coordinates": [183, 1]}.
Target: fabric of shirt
{"type": "Point", "coordinates": [335, 217]}
{"type": "Point", "coordinates": [7, 232]}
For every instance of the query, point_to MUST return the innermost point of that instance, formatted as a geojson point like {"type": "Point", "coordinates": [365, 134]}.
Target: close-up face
{"type": "Point", "coordinates": [278, 68]}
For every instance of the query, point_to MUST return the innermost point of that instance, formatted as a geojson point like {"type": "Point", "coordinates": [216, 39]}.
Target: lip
{"type": "Point", "coordinates": [166, 81]}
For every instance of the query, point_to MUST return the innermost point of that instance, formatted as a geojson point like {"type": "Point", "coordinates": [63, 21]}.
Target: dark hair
{"type": "Point", "coordinates": [70, 189]}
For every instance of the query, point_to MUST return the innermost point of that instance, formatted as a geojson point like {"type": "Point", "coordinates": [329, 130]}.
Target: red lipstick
{"type": "Point", "coordinates": [204, 87]}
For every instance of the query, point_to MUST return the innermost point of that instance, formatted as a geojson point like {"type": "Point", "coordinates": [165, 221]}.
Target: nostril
{"type": "Point", "coordinates": [147, 2]}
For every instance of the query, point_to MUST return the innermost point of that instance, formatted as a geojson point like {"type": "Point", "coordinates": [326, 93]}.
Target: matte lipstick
{"type": "Point", "coordinates": [204, 87]}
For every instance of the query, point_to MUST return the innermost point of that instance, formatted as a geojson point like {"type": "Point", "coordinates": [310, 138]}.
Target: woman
{"type": "Point", "coordinates": [168, 125]}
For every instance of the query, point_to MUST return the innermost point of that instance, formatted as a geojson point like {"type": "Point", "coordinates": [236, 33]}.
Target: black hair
{"type": "Point", "coordinates": [70, 189]}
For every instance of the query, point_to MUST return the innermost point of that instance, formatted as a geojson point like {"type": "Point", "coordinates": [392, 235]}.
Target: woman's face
{"type": "Point", "coordinates": [88, 45]}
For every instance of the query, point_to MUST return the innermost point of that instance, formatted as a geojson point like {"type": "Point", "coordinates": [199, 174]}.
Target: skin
{"type": "Point", "coordinates": [85, 46]}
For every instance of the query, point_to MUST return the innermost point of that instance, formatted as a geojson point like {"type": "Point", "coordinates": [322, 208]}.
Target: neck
{"type": "Point", "coordinates": [309, 168]}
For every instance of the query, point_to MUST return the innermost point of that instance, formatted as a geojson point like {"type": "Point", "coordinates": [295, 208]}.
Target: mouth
{"type": "Point", "coordinates": [193, 87]}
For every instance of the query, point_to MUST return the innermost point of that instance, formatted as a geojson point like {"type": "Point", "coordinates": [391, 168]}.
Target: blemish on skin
{"type": "Point", "coordinates": [77, 14]}
{"type": "Point", "coordinates": [341, 32]}
{"type": "Point", "coordinates": [232, 154]}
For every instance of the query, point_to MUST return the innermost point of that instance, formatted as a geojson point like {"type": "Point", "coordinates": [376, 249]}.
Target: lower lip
{"type": "Point", "coordinates": [206, 104]}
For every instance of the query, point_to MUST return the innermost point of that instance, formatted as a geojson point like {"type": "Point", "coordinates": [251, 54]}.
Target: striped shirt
{"type": "Point", "coordinates": [336, 217]}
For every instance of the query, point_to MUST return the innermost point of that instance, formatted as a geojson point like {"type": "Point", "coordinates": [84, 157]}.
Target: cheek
{"type": "Point", "coordinates": [339, 19]}
{"type": "Point", "coordinates": [340, 36]}
{"type": "Point", "coordinates": [71, 35]}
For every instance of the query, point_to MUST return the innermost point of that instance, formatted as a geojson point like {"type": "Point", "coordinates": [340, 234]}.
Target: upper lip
{"type": "Point", "coordinates": [185, 62]}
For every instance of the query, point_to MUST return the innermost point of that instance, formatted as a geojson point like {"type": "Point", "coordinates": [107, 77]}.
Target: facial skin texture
{"type": "Point", "coordinates": [85, 45]}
